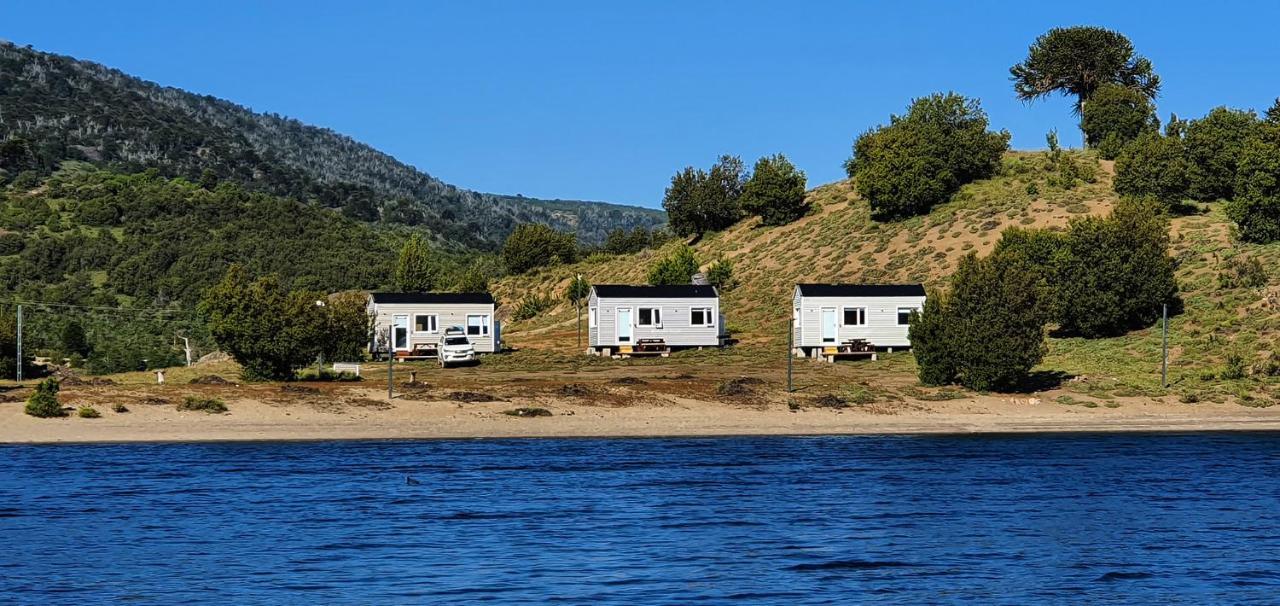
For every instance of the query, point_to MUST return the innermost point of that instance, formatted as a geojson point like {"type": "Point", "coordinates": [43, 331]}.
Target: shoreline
{"type": "Point", "coordinates": [259, 421]}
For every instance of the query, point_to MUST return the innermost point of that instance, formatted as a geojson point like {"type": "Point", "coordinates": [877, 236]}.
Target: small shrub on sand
{"type": "Point", "coordinates": [43, 402]}
{"type": "Point", "coordinates": [88, 412]}
{"type": "Point", "coordinates": [119, 408]}
{"type": "Point", "coordinates": [527, 412]}
{"type": "Point", "coordinates": [209, 405]}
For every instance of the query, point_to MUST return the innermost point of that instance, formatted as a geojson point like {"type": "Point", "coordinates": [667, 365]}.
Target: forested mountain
{"type": "Point", "coordinates": [55, 108]}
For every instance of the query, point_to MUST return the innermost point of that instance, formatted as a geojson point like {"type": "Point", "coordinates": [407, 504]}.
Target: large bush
{"type": "Point", "coordinates": [415, 269]}
{"type": "Point", "coordinates": [43, 402]}
{"type": "Point", "coordinates": [775, 191]}
{"type": "Point", "coordinates": [987, 332]}
{"type": "Point", "coordinates": [348, 327]}
{"type": "Point", "coordinates": [1256, 207]}
{"type": "Point", "coordinates": [1115, 116]}
{"type": "Point", "coordinates": [1153, 165]}
{"type": "Point", "coordinates": [699, 201]}
{"type": "Point", "coordinates": [922, 158]}
{"type": "Point", "coordinates": [534, 245]}
{"type": "Point", "coordinates": [1214, 144]}
{"type": "Point", "coordinates": [1113, 274]}
{"type": "Point", "coordinates": [269, 330]}
{"type": "Point", "coordinates": [678, 268]}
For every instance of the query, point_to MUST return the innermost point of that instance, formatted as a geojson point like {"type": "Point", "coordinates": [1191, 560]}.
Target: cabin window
{"type": "Point", "coordinates": [425, 323]}
{"type": "Point", "coordinates": [904, 315]}
{"type": "Point", "coordinates": [478, 325]}
{"type": "Point", "coordinates": [855, 316]}
{"type": "Point", "coordinates": [701, 316]}
{"type": "Point", "coordinates": [591, 318]}
{"type": "Point", "coordinates": [649, 316]}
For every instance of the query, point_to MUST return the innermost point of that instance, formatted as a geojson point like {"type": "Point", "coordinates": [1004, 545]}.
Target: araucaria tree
{"type": "Point", "coordinates": [267, 329]}
{"type": "Point", "coordinates": [922, 158]}
{"type": "Point", "coordinates": [415, 271]}
{"type": "Point", "coordinates": [699, 201]}
{"type": "Point", "coordinates": [1078, 61]}
{"type": "Point", "coordinates": [775, 191]}
{"type": "Point", "coordinates": [1115, 116]}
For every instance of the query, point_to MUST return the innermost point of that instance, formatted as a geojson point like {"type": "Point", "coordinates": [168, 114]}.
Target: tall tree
{"type": "Point", "coordinates": [1256, 206]}
{"type": "Point", "coordinates": [775, 191]}
{"type": "Point", "coordinates": [1077, 61]}
{"type": "Point", "coordinates": [1213, 145]}
{"type": "Point", "coordinates": [1115, 116]}
{"type": "Point", "coordinates": [267, 329]}
{"type": "Point", "coordinates": [700, 201]}
{"type": "Point", "coordinates": [415, 271]}
{"type": "Point", "coordinates": [1153, 165]}
{"type": "Point", "coordinates": [534, 245]}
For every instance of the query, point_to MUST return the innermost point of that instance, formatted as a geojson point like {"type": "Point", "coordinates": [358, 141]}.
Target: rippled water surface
{"type": "Point", "coordinates": [1061, 519]}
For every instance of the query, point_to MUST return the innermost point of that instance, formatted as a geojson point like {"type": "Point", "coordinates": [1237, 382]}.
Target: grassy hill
{"type": "Point", "coordinates": [839, 242]}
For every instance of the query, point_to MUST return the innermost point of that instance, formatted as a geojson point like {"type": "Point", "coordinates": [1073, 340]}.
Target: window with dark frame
{"type": "Point", "coordinates": [424, 323]}
{"type": "Point", "coordinates": [700, 316]}
{"type": "Point", "coordinates": [855, 316]}
{"type": "Point", "coordinates": [904, 315]}
{"type": "Point", "coordinates": [649, 316]}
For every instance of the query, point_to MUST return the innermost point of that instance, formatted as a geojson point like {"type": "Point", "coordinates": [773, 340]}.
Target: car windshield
{"type": "Point", "coordinates": [455, 341]}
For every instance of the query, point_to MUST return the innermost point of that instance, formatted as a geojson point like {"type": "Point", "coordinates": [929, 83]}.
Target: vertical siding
{"type": "Point", "coordinates": [450, 314]}
{"type": "Point", "coordinates": [675, 329]}
{"type": "Point", "coordinates": [881, 329]}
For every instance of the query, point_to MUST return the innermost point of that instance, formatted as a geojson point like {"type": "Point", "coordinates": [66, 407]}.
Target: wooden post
{"type": "Point", "coordinates": [1164, 346]}
{"type": "Point", "coordinates": [19, 375]}
{"type": "Point", "coordinates": [791, 332]}
{"type": "Point", "coordinates": [391, 358]}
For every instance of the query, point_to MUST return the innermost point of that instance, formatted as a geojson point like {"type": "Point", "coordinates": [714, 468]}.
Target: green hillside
{"type": "Point", "coordinates": [839, 242]}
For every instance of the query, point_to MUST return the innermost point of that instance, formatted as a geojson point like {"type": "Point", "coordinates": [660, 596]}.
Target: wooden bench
{"type": "Point", "coordinates": [854, 348]}
{"type": "Point", "coordinates": [645, 347]}
{"type": "Point", "coordinates": [351, 367]}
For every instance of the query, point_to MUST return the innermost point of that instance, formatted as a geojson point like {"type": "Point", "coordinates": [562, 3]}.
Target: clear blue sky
{"type": "Point", "coordinates": [591, 101]}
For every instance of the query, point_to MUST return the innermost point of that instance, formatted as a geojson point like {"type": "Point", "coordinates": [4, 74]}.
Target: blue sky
{"type": "Point", "coordinates": [590, 101]}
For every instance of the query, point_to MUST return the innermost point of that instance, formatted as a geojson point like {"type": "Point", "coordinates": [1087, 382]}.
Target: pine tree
{"type": "Point", "coordinates": [415, 271]}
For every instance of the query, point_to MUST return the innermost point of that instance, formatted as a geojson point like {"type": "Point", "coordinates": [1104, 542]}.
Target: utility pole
{"type": "Point", "coordinates": [391, 358]}
{"type": "Point", "coordinates": [791, 335]}
{"type": "Point", "coordinates": [19, 375]}
{"type": "Point", "coordinates": [1164, 346]}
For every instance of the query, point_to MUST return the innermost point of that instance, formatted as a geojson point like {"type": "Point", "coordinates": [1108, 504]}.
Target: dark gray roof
{"type": "Point", "coordinates": [432, 297]}
{"type": "Point", "coordinates": [677, 291]}
{"type": "Point", "coordinates": [861, 290]}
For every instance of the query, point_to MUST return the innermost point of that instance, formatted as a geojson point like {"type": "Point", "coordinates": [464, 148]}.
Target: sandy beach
{"type": "Point", "coordinates": [267, 413]}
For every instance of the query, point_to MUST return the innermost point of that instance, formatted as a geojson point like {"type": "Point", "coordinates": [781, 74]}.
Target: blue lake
{"type": "Point", "coordinates": [994, 519]}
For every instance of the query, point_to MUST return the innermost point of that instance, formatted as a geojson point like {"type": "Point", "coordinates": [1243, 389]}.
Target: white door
{"type": "Point", "coordinates": [624, 325]}
{"type": "Point", "coordinates": [828, 326]}
{"type": "Point", "coordinates": [402, 333]}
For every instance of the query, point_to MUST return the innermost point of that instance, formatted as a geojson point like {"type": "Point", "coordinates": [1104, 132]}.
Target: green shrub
{"type": "Point", "coordinates": [1153, 165]}
{"type": "Point", "coordinates": [119, 408]}
{"type": "Point", "coordinates": [678, 268]}
{"type": "Point", "coordinates": [1214, 144]}
{"type": "Point", "coordinates": [987, 332]}
{"type": "Point", "coordinates": [1190, 397]}
{"type": "Point", "coordinates": [530, 306]}
{"type": "Point", "coordinates": [534, 245]}
{"type": "Point", "coordinates": [527, 412]}
{"type": "Point", "coordinates": [1114, 116]}
{"type": "Point", "coordinates": [208, 405]}
{"type": "Point", "coordinates": [1235, 367]}
{"type": "Point", "coordinates": [43, 402]}
{"type": "Point", "coordinates": [720, 275]}
{"type": "Point", "coordinates": [699, 201]}
{"type": "Point", "coordinates": [1242, 272]}
{"type": "Point", "coordinates": [923, 158]}
{"type": "Point", "coordinates": [775, 191]}
{"type": "Point", "coordinates": [88, 412]}
{"type": "Point", "coordinates": [1256, 206]}
{"type": "Point", "coordinates": [1114, 274]}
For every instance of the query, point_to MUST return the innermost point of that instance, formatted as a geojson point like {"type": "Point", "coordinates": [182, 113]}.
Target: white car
{"type": "Point", "coordinates": [456, 348]}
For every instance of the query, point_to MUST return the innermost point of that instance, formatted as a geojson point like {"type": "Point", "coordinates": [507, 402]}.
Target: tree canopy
{"type": "Point", "coordinates": [922, 158]}
{"type": "Point", "coordinates": [1214, 144]}
{"type": "Point", "coordinates": [775, 191]}
{"type": "Point", "coordinates": [1115, 116]}
{"type": "Point", "coordinates": [1078, 61]}
{"type": "Point", "coordinates": [676, 268]}
{"type": "Point", "coordinates": [699, 201]}
{"type": "Point", "coordinates": [534, 245]}
{"type": "Point", "coordinates": [415, 271]}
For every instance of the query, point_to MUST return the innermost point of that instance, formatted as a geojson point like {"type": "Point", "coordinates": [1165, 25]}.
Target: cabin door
{"type": "Point", "coordinates": [828, 326]}
{"type": "Point", "coordinates": [401, 333]}
{"type": "Point", "coordinates": [624, 325]}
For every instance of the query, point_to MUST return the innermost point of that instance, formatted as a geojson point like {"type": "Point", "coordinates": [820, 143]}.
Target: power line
{"type": "Point", "coordinates": [121, 310]}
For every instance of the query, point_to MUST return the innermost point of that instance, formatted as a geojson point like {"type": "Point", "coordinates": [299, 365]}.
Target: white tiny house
{"type": "Point", "coordinates": [619, 317]}
{"type": "Point", "coordinates": [417, 321]}
{"type": "Point", "coordinates": [829, 315]}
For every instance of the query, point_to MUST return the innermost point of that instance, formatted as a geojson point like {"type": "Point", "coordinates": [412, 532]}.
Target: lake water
{"type": "Point", "coordinates": [995, 519]}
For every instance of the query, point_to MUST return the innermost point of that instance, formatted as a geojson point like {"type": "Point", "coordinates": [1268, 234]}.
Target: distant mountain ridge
{"type": "Point", "coordinates": [55, 108]}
